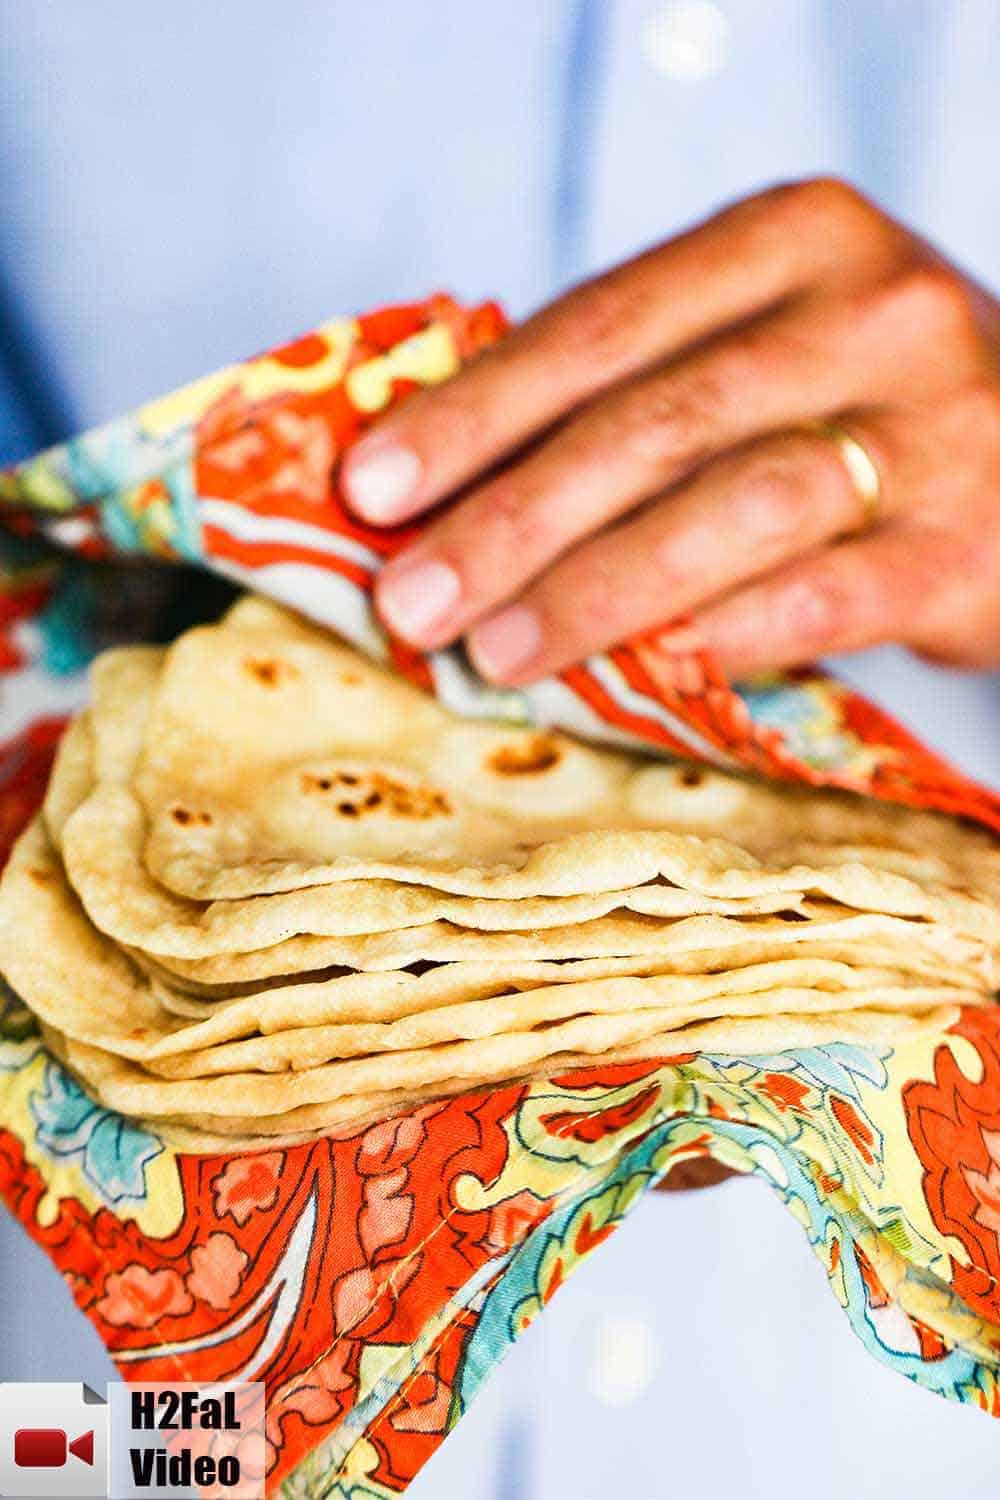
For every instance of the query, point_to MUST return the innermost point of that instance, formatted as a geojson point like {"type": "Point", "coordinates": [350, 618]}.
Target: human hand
{"type": "Point", "coordinates": [638, 451]}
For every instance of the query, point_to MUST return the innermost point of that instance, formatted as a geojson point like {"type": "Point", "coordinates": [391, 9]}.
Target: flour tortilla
{"type": "Point", "coordinates": [102, 847]}
{"type": "Point", "coordinates": [122, 1085]}
{"type": "Point", "coordinates": [103, 852]}
{"type": "Point", "coordinates": [79, 982]}
{"type": "Point", "coordinates": [106, 751]}
{"type": "Point", "coordinates": [184, 998]}
{"type": "Point", "coordinates": [259, 803]}
{"type": "Point", "coordinates": [101, 844]}
{"type": "Point", "coordinates": [72, 777]}
{"type": "Point", "coordinates": [127, 674]}
{"type": "Point", "coordinates": [614, 860]}
{"type": "Point", "coordinates": [224, 1134]}
{"type": "Point", "coordinates": [916, 947]}
{"type": "Point", "coordinates": [706, 874]}
{"type": "Point", "coordinates": [200, 1135]}
{"type": "Point", "coordinates": [512, 1016]}
{"type": "Point", "coordinates": [277, 759]}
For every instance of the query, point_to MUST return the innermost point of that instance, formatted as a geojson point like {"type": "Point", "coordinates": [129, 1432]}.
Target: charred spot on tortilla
{"type": "Point", "coordinates": [269, 671]}
{"type": "Point", "coordinates": [529, 758]}
{"type": "Point", "coordinates": [185, 817]}
{"type": "Point", "coordinates": [359, 793]}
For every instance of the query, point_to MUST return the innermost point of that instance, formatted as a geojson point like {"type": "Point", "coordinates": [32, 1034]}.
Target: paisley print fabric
{"type": "Point", "coordinates": [373, 1280]}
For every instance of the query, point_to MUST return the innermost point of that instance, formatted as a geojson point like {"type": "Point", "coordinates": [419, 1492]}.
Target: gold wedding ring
{"type": "Point", "coordinates": [862, 470]}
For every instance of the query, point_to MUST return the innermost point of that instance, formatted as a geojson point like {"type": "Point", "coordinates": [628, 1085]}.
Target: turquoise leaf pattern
{"type": "Point", "coordinates": [112, 1153]}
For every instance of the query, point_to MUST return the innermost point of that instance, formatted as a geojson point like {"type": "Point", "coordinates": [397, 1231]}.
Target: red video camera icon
{"type": "Point", "coordinates": [48, 1448]}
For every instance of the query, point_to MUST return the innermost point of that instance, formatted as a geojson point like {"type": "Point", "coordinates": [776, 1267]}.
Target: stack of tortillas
{"type": "Point", "coordinates": [275, 890]}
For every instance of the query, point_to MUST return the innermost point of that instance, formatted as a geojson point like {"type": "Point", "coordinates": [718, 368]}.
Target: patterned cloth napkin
{"type": "Point", "coordinates": [373, 1281]}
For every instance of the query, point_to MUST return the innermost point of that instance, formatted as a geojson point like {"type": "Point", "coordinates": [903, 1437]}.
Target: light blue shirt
{"type": "Point", "coordinates": [183, 183]}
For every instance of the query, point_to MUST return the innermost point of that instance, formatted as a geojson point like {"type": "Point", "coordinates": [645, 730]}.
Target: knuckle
{"type": "Point", "coordinates": [667, 423]}
{"type": "Point", "coordinates": [926, 300]}
{"type": "Point", "coordinates": [516, 528]}
{"type": "Point", "coordinates": [594, 322]}
{"type": "Point", "coordinates": [815, 609]}
{"type": "Point", "coordinates": [769, 504]}
{"type": "Point", "coordinates": [824, 205]}
{"type": "Point", "coordinates": [600, 599]}
{"type": "Point", "coordinates": [824, 194]}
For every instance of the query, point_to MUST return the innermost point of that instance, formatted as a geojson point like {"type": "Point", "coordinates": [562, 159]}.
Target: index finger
{"type": "Point", "coordinates": [735, 265]}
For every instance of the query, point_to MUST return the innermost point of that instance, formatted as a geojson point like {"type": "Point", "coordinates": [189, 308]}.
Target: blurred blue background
{"type": "Point", "coordinates": [184, 184]}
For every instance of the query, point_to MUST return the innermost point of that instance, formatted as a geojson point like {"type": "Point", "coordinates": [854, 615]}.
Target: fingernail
{"type": "Point", "coordinates": [507, 642]}
{"type": "Point", "coordinates": [380, 485]}
{"type": "Point", "coordinates": [413, 599]}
